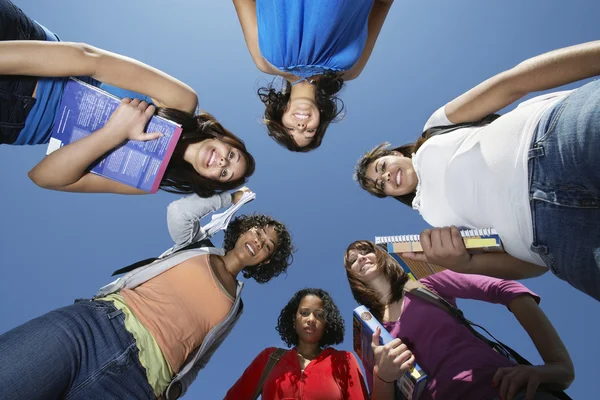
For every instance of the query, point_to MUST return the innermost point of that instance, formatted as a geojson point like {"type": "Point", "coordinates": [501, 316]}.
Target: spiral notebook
{"type": "Point", "coordinates": [476, 241]}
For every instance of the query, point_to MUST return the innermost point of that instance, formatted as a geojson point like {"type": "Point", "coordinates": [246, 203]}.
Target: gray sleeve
{"type": "Point", "coordinates": [183, 215]}
{"type": "Point", "coordinates": [189, 378]}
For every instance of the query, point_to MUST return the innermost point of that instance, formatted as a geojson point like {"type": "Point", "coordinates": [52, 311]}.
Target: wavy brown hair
{"type": "Point", "coordinates": [276, 103]}
{"type": "Point", "coordinates": [362, 293]}
{"type": "Point", "coordinates": [407, 150]}
{"type": "Point", "coordinates": [180, 176]}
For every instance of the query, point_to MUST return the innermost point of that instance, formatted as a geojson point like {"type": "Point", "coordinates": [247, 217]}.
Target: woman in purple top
{"type": "Point", "coordinates": [459, 365]}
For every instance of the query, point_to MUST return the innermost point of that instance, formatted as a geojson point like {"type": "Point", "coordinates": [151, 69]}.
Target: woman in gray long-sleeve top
{"type": "Point", "coordinates": [145, 335]}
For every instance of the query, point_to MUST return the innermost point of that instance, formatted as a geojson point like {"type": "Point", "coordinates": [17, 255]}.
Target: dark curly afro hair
{"type": "Point", "coordinates": [276, 103]}
{"type": "Point", "coordinates": [278, 262]}
{"type": "Point", "coordinates": [334, 323]}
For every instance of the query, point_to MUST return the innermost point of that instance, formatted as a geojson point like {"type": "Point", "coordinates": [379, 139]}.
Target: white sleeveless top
{"type": "Point", "coordinates": [477, 177]}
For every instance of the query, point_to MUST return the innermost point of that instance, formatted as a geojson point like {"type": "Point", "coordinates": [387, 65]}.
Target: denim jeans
{"type": "Point", "coordinates": [564, 178]}
{"type": "Point", "coordinates": [16, 91]}
{"type": "Point", "coordinates": [78, 352]}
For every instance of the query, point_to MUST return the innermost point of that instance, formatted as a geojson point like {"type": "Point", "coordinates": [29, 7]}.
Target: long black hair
{"type": "Point", "coordinates": [276, 103]}
{"type": "Point", "coordinates": [180, 176]}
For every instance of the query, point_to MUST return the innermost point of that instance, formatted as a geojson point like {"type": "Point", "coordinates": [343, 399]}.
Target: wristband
{"type": "Point", "coordinates": [380, 378]}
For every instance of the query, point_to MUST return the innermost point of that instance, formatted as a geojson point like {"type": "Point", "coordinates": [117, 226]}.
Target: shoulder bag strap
{"type": "Point", "coordinates": [131, 267]}
{"type": "Point", "coordinates": [273, 359]}
{"type": "Point", "coordinates": [425, 294]}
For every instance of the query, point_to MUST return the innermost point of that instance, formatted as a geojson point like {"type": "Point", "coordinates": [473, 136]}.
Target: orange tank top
{"type": "Point", "coordinates": [180, 306]}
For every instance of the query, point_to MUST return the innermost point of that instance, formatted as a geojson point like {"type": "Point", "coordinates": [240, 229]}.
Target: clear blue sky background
{"type": "Point", "coordinates": [56, 247]}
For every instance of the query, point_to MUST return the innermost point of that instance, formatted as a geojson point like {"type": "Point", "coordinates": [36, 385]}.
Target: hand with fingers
{"type": "Point", "coordinates": [513, 380]}
{"type": "Point", "coordinates": [237, 195]}
{"type": "Point", "coordinates": [444, 247]}
{"type": "Point", "coordinates": [392, 360]}
{"type": "Point", "coordinates": [130, 118]}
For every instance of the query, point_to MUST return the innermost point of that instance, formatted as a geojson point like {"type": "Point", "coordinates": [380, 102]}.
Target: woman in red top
{"type": "Point", "coordinates": [310, 370]}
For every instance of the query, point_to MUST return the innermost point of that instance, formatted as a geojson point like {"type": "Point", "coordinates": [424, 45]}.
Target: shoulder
{"type": "Point", "coordinates": [264, 355]}
{"type": "Point", "coordinates": [340, 356]}
{"type": "Point", "coordinates": [438, 118]}
{"type": "Point", "coordinates": [435, 281]}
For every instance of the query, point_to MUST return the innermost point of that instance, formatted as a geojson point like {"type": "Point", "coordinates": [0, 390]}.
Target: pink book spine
{"type": "Point", "coordinates": [166, 159]}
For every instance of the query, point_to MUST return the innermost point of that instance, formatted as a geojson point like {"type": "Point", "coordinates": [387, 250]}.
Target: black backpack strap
{"type": "Point", "coordinates": [131, 267]}
{"type": "Point", "coordinates": [431, 297]}
{"type": "Point", "coordinates": [443, 129]}
{"type": "Point", "coordinates": [135, 265]}
{"type": "Point", "coordinates": [273, 359]}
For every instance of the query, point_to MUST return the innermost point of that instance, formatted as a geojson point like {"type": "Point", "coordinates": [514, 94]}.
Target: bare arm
{"type": "Point", "coordinates": [445, 247]}
{"type": "Point", "coordinates": [377, 17]}
{"type": "Point", "coordinates": [246, 11]}
{"type": "Point", "coordinates": [392, 360]}
{"type": "Point", "coordinates": [66, 169]}
{"type": "Point", "coordinates": [557, 373]}
{"type": "Point", "coordinates": [56, 59]}
{"type": "Point", "coordinates": [546, 71]}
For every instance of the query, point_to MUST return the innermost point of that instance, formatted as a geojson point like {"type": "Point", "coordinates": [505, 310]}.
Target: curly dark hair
{"type": "Point", "coordinates": [276, 103]}
{"type": "Point", "coordinates": [278, 262]}
{"type": "Point", "coordinates": [180, 176]}
{"type": "Point", "coordinates": [334, 323]}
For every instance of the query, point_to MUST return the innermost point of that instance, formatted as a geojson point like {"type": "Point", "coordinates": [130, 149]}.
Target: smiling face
{"type": "Point", "coordinates": [216, 160]}
{"type": "Point", "coordinates": [256, 245]}
{"type": "Point", "coordinates": [393, 175]}
{"type": "Point", "coordinates": [363, 264]}
{"type": "Point", "coordinates": [310, 319]}
{"type": "Point", "coordinates": [301, 119]}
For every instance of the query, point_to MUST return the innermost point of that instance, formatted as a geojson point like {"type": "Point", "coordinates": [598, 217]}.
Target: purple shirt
{"type": "Point", "coordinates": [459, 365]}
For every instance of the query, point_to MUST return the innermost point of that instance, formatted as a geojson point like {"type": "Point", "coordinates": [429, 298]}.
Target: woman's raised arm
{"type": "Point", "coordinates": [246, 11]}
{"type": "Point", "coordinates": [377, 16]}
{"type": "Point", "coordinates": [557, 373]}
{"type": "Point", "coordinates": [546, 71]}
{"type": "Point", "coordinates": [61, 59]}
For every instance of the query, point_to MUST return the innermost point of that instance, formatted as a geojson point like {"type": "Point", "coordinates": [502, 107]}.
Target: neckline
{"type": "Point", "coordinates": [310, 362]}
{"type": "Point", "coordinates": [217, 280]}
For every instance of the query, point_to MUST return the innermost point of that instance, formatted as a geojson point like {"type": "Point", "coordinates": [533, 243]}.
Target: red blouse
{"type": "Point", "coordinates": [332, 375]}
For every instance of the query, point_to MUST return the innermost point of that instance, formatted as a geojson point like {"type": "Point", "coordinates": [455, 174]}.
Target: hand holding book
{"type": "Point", "coordinates": [238, 194]}
{"type": "Point", "coordinates": [392, 360]}
{"type": "Point", "coordinates": [130, 119]}
{"type": "Point", "coordinates": [444, 247]}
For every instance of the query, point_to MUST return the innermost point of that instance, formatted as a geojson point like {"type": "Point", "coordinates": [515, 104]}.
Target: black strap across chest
{"type": "Point", "coordinates": [131, 267]}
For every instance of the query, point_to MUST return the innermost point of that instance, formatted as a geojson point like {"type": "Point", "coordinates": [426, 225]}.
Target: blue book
{"type": "Point", "coordinates": [85, 108]}
{"type": "Point", "coordinates": [476, 241]}
{"type": "Point", "coordinates": [410, 385]}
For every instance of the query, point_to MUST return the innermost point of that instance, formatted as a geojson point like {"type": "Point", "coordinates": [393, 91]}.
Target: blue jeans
{"type": "Point", "coordinates": [16, 91]}
{"type": "Point", "coordinates": [564, 178]}
{"type": "Point", "coordinates": [82, 351]}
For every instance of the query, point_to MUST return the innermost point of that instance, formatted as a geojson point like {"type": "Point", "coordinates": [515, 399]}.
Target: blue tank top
{"type": "Point", "coordinates": [39, 121]}
{"type": "Point", "coordinates": [308, 37]}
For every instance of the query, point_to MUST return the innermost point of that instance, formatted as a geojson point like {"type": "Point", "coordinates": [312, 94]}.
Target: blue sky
{"type": "Point", "coordinates": [59, 246]}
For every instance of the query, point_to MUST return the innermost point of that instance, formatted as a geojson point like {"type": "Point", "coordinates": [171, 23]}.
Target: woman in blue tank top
{"type": "Point", "coordinates": [34, 69]}
{"type": "Point", "coordinates": [315, 45]}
